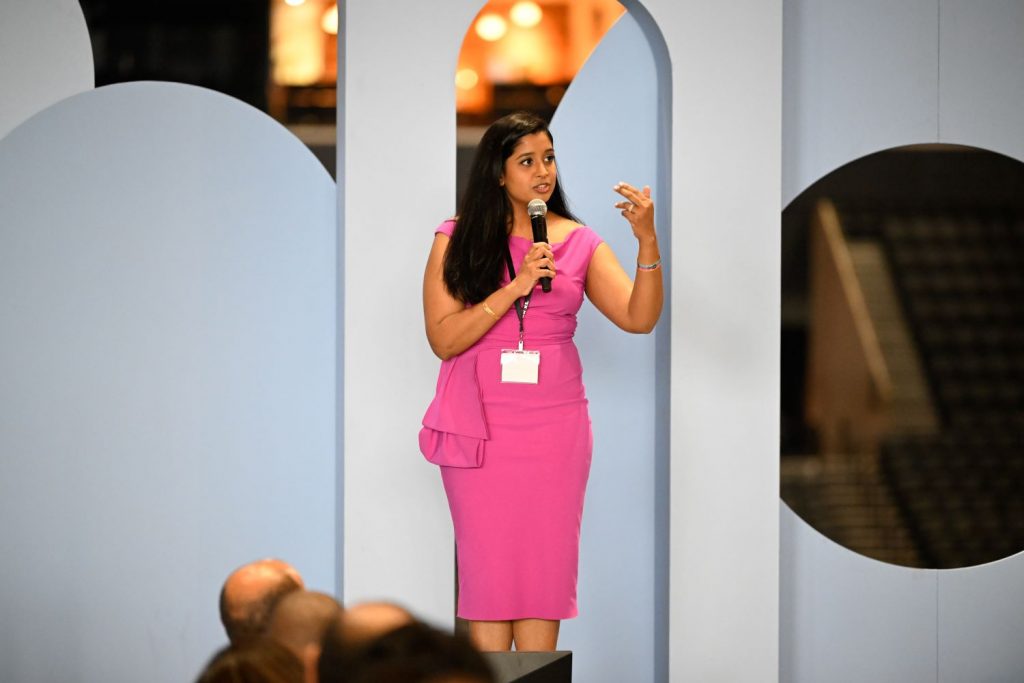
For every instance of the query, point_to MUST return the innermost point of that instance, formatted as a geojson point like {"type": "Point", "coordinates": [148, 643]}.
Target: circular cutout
{"type": "Point", "coordinates": [903, 356]}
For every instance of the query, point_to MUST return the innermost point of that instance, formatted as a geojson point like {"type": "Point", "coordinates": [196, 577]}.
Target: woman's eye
{"type": "Point", "coordinates": [550, 158]}
{"type": "Point", "coordinates": [526, 162]}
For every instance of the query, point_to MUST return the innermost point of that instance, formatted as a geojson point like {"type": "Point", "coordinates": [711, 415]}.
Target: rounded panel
{"type": "Point", "coordinates": [167, 285]}
{"type": "Point", "coordinates": [45, 56]}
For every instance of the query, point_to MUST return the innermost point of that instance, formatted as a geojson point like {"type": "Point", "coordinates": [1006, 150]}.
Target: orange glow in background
{"type": "Point", "coordinates": [510, 42]}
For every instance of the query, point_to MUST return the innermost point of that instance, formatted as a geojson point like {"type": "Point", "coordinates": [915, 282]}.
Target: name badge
{"type": "Point", "coordinates": [519, 366]}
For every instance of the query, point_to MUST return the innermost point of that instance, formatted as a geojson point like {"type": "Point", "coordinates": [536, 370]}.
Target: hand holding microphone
{"type": "Point", "coordinates": [538, 212]}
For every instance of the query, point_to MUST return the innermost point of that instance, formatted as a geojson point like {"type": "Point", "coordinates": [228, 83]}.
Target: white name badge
{"type": "Point", "coordinates": [519, 366]}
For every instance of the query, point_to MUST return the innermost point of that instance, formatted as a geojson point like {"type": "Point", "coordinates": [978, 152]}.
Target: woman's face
{"type": "Point", "coordinates": [530, 172]}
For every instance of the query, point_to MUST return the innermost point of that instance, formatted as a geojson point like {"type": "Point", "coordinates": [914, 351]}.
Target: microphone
{"type": "Point", "coordinates": [537, 210]}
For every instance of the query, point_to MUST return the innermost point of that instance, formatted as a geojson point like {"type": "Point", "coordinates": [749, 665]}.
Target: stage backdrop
{"type": "Point", "coordinates": [167, 275]}
{"type": "Point", "coordinates": [860, 77]}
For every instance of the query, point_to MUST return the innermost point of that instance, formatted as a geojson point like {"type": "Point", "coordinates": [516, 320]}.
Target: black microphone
{"type": "Point", "coordinates": [537, 210]}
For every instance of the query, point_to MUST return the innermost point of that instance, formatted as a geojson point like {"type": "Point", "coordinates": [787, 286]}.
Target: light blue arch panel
{"type": "Point", "coordinates": [167, 298]}
{"type": "Point", "coordinates": [606, 130]}
{"type": "Point", "coordinates": [45, 56]}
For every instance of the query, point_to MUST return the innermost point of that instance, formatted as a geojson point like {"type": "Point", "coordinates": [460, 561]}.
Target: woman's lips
{"type": "Point", "coordinates": [543, 187]}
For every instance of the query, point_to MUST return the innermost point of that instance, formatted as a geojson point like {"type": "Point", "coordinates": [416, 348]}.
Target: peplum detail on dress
{"type": "Point", "coordinates": [454, 427]}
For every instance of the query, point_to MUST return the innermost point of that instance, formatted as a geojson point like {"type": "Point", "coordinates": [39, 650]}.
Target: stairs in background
{"type": "Point", "coordinates": [846, 500]}
{"type": "Point", "coordinates": [912, 410]}
{"type": "Point", "coordinates": [845, 496]}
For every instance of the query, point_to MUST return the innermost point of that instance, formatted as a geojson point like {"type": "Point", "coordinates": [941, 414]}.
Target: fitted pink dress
{"type": "Point", "coordinates": [515, 457]}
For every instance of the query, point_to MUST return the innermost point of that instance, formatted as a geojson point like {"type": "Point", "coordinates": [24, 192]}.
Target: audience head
{"type": "Point", "coordinates": [381, 642]}
{"type": "Point", "coordinates": [249, 595]}
{"type": "Point", "coordinates": [299, 622]}
{"type": "Point", "coordinates": [366, 621]}
{"type": "Point", "coordinates": [260, 662]}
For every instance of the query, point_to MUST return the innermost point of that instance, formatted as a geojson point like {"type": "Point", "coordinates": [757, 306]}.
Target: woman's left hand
{"type": "Point", "coordinates": [638, 209]}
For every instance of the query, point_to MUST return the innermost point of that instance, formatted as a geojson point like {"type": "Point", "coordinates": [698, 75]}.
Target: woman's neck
{"type": "Point", "coordinates": [520, 224]}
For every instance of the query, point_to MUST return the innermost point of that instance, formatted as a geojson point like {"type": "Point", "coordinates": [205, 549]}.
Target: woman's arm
{"type": "Point", "coordinates": [633, 305]}
{"type": "Point", "coordinates": [452, 327]}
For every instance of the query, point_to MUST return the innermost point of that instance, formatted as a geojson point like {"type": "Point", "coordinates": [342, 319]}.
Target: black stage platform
{"type": "Point", "coordinates": [531, 667]}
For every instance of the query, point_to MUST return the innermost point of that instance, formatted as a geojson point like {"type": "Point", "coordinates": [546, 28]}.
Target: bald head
{"type": "Point", "coordinates": [249, 595]}
{"type": "Point", "coordinates": [300, 619]}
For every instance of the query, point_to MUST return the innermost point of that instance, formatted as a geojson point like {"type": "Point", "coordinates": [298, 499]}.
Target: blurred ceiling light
{"type": "Point", "coordinates": [526, 14]}
{"type": "Point", "coordinates": [297, 44]}
{"type": "Point", "coordinates": [294, 3]}
{"type": "Point", "coordinates": [466, 79]}
{"type": "Point", "coordinates": [491, 27]}
{"type": "Point", "coordinates": [329, 22]}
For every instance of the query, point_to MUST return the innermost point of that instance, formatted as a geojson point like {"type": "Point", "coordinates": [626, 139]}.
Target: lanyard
{"type": "Point", "coordinates": [520, 309]}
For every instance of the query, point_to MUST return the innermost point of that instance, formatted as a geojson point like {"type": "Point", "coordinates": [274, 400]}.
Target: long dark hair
{"type": "Point", "coordinates": [475, 258]}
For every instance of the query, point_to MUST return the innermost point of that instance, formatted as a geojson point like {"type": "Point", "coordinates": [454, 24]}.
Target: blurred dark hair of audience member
{"type": "Point", "coordinates": [249, 595]}
{"type": "Point", "coordinates": [383, 643]}
{"type": "Point", "coordinates": [299, 621]}
{"type": "Point", "coordinates": [261, 662]}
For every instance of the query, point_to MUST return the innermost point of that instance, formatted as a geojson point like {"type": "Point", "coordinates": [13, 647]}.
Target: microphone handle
{"type": "Point", "coordinates": [540, 234]}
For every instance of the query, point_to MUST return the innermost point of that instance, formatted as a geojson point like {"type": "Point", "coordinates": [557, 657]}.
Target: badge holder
{"type": "Point", "coordinates": [519, 366]}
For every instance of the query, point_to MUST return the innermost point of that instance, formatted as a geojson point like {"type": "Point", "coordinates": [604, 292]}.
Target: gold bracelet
{"type": "Point", "coordinates": [488, 311]}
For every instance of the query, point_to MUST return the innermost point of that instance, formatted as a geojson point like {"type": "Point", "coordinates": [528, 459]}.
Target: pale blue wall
{"type": "Point", "coordinates": [51, 36]}
{"type": "Point", "coordinates": [606, 130]}
{"type": "Point", "coordinates": [167, 340]}
{"type": "Point", "coordinates": [858, 78]}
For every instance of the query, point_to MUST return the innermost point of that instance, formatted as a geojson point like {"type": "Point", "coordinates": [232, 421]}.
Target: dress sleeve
{"type": "Point", "coordinates": [446, 228]}
{"type": "Point", "coordinates": [591, 241]}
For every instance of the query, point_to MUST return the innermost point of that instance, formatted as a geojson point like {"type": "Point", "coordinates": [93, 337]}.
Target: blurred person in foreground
{"type": "Point", "coordinates": [299, 621]}
{"type": "Point", "coordinates": [262, 661]}
{"type": "Point", "coordinates": [383, 643]}
{"type": "Point", "coordinates": [249, 595]}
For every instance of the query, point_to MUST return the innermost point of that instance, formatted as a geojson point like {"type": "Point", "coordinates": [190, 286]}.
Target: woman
{"type": "Point", "coordinates": [509, 423]}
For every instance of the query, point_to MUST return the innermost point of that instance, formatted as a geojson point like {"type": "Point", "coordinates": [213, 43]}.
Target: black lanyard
{"type": "Point", "coordinates": [520, 308]}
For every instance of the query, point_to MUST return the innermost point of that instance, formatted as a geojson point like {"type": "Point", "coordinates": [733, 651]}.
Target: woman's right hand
{"type": "Point", "coordinates": [539, 262]}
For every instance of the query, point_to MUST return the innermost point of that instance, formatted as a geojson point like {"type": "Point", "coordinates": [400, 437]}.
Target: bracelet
{"type": "Point", "coordinates": [488, 311]}
{"type": "Point", "coordinates": [648, 266]}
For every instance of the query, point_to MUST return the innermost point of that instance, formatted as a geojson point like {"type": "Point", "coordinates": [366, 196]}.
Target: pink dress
{"type": "Point", "coordinates": [515, 457]}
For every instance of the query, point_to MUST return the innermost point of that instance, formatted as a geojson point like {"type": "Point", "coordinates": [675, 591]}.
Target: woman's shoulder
{"type": "Point", "coordinates": [581, 232]}
{"type": "Point", "coordinates": [580, 243]}
{"type": "Point", "coordinates": [560, 229]}
{"type": "Point", "coordinates": [446, 228]}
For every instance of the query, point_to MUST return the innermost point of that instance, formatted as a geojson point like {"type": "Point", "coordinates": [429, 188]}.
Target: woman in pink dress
{"type": "Point", "coordinates": [509, 425]}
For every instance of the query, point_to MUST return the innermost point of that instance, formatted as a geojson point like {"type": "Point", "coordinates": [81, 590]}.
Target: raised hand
{"type": "Point", "coordinates": [638, 208]}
